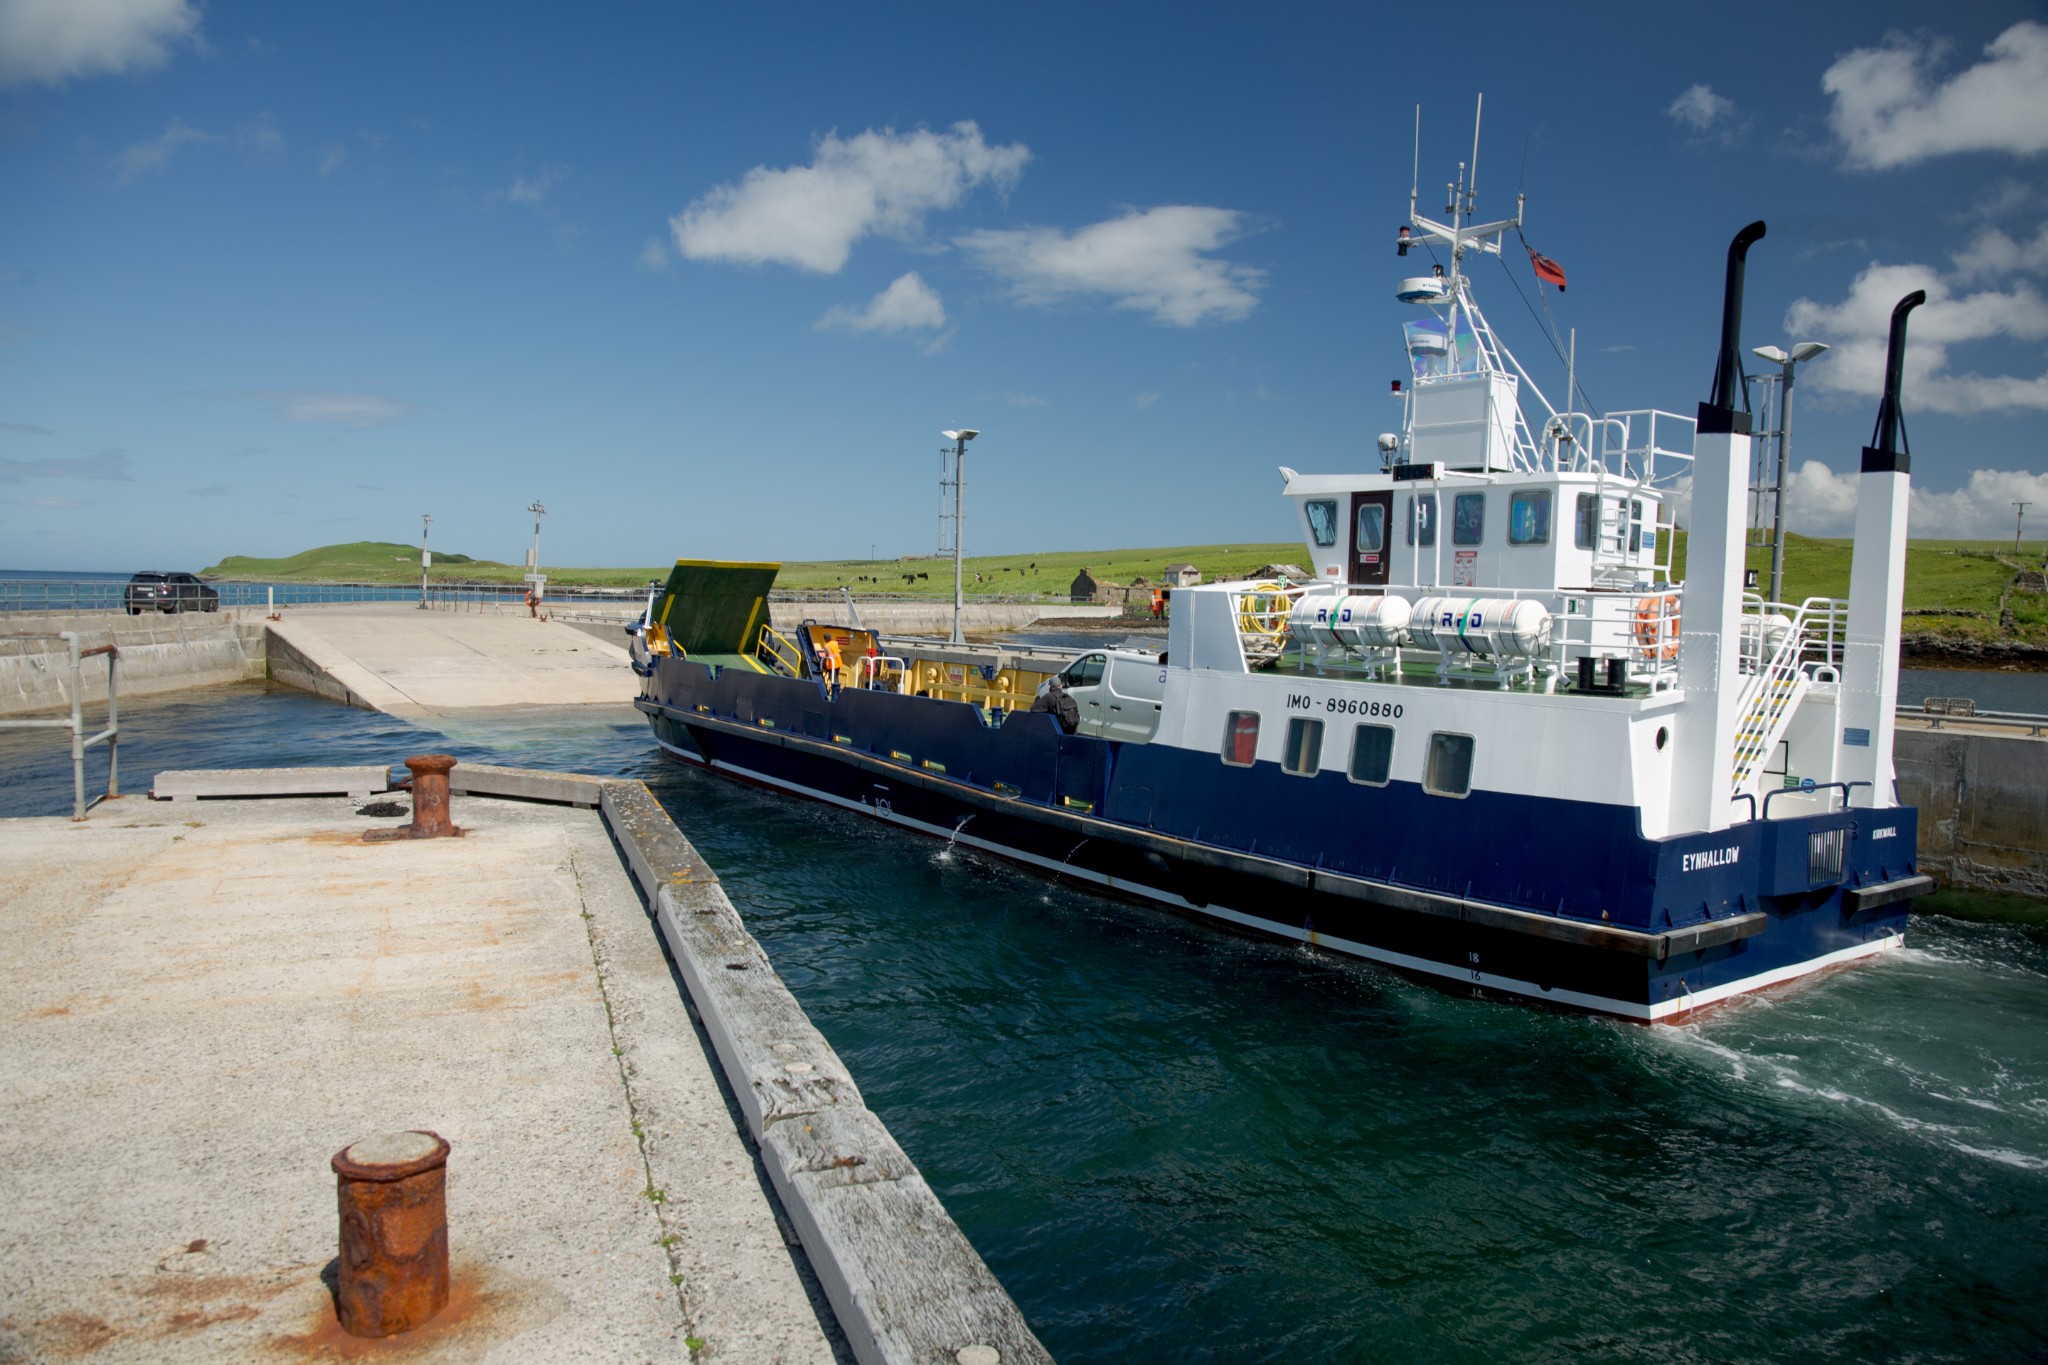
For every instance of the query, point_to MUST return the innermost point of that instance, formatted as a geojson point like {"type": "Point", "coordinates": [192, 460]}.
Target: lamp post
{"type": "Point", "coordinates": [1805, 350]}
{"type": "Point", "coordinates": [426, 557]}
{"type": "Point", "coordinates": [2017, 522]}
{"type": "Point", "coordinates": [533, 574]}
{"type": "Point", "coordinates": [959, 439]}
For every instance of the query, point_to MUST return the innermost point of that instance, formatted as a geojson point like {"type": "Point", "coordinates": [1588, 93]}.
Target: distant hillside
{"type": "Point", "coordinates": [1965, 600]}
{"type": "Point", "coordinates": [364, 561]}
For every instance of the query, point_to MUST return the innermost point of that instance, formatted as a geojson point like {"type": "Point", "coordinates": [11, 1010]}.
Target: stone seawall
{"type": "Point", "coordinates": [158, 654]}
{"type": "Point", "coordinates": [1983, 802]}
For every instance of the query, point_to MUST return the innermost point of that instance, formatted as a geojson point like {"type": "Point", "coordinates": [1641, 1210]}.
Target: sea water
{"type": "Point", "coordinates": [1172, 1142]}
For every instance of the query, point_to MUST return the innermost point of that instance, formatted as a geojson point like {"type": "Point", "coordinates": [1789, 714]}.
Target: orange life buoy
{"type": "Point", "coordinates": [1657, 626]}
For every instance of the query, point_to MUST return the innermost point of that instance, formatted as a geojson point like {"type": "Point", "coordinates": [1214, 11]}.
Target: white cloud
{"type": "Point", "coordinates": [1889, 112]}
{"type": "Point", "coordinates": [1144, 400]}
{"type": "Point", "coordinates": [653, 256]}
{"type": "Point", "coordinates": [333, 159]}
{"type": "Point", "coordinates": [149, 155]}
{"type": "Point", "coordinates": [56, 503]}
{"type": "Point", "coordinates": [1149, 260]}
{"type": "Point", "coordinates": [52, 41]}
{"type": "Point", "coordinates": [1705, 113]}
{"type": "Point", "coordinates": [1820, 502]}
{"type": "Point", "coordinates": [212, 490]}
{"type": "Point", "coordinates": [1859, 327]}
{"type": "Point", "coordinates": [1991, 252]}
{"type": "Point", "coordinates": [259, 134]}
{"type": "Point", "coordinates": [108, 466]}
{"type": "Point", "coordinates": [907, 305]}
{"type": "Point", "coordinates": [355, 410]}
{"type": "Point", "coordinates": [875, 182]}
{"type": "Point", "coordinates": [533, 191]}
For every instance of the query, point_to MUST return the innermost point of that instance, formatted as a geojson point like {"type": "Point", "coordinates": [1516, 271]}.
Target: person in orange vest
{"type": "Point", "coordinates": [832, 663]}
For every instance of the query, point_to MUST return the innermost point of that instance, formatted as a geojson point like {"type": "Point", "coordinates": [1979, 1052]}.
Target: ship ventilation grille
{"type": "Point", "coordinates": [1824, 851]}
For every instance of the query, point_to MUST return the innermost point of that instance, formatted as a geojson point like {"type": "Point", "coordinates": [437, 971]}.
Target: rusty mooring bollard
{"type": "Point", "coordinates": [429, 802]}
{"type": "Point", "coordinates": [394, 1232]}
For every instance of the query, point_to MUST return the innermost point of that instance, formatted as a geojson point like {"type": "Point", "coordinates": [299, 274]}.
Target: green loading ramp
{"type": "Point", "coordinates": [714, 609]}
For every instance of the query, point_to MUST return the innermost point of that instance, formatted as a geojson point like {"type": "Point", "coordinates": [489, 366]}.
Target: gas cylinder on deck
{"type": "Point", "coordinates": [1490, 627]}
{"type": "Point", "coordinates": [1338, 621]}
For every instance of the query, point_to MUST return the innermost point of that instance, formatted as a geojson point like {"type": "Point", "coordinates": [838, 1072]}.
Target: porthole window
{"type": "Point", "coordinates": [1372, 754]}
{"type": "Point", "coordinates": [1449, 770]}
{"type": "Point", "coordinates": [1241, 738]}
{"type": "Point", "coordinates": [1304, 756]}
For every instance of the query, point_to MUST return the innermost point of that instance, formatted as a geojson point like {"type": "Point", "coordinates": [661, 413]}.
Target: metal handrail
{"type": "Point", "coordinates": [75, 723]}
{"type": "Point", "coordinates": [2007, 720]}
{"type": "Point", "coordinates": [870, 664]}
{"type": "Point", "coordinates": [771, 646]}
{"type": "Point", "coordinates": [1804, 790]}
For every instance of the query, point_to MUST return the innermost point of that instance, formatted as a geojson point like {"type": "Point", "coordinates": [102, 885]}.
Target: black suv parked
{"type": "Point", "coordinates": [154, 591]}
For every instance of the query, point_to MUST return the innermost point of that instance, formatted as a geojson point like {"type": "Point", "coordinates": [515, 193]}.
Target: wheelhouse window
{"type": "Point", "coordinates": [1304, 756]}
{"type": "Point", "coordinates": [1372, 527]}
{"type": "Point", "coordinates": [1449, 770]}
{"type": "Point", "coordinates": [1372, 754]}
{"type": "Point", "coordinates": [1468, 518]}
{"type": "Point", "coordinates": [1587, 532]}
{"type": "Point", "coordinates": [1421, 515]}
{"type": "Point", "coordinates": [1241, 738]}
{"type": "Point", "coordinates": [1635, 527]}
{"type": "Point", "coordinates": [1529, 518]}
{"type": "Point", "coordinates": [1322, 521]}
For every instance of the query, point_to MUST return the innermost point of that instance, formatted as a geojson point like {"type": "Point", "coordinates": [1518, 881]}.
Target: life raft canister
{"type": "Point", "coordinates": [1657, 626]}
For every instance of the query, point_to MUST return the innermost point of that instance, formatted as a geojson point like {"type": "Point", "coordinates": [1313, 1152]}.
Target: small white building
{"type": "Point", "coordinates": [1181, 575]}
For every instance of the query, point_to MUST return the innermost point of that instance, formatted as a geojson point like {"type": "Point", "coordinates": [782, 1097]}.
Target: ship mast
{"type": "Point", "coordinates": [1459, 235]}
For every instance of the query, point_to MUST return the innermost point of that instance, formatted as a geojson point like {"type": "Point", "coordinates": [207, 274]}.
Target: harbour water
{"type": "Point", "coordinates": [1174, 1143]}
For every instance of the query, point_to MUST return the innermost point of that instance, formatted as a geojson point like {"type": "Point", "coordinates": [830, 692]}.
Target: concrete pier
{"type": "Point", "coordinates": [406, 662]}
{"type": "Point", "coordinates": [204, 1000]}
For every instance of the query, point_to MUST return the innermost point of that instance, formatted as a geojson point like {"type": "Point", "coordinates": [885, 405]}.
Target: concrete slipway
{"type": "Point", "coordinates": [201, 1001]}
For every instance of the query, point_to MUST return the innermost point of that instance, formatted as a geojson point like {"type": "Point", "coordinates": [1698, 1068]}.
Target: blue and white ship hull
{"type": "Point", "coordinates": [1554, 900]}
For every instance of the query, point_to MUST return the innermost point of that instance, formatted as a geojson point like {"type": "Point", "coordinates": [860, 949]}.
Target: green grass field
{"type": "Point", "coordinates": [1953, 587]}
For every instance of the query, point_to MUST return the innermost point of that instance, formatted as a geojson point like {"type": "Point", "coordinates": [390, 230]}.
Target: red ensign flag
{"type": "Point", "coordinates": [1547, 269]}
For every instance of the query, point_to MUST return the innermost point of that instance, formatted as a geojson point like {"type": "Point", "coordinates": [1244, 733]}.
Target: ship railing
{"type": "Point", "coordinates": [1262, 610]}
{"type": "Point", "coordinates": [1639, 628]}
{"type": "Point", "coordinates": [75, 722]}
{"type": "Point", "coordinates": [1821, 624]}
{"type": "Point", "coordinates": [1642, 445]}
{"type": "Point", "coordinates": [867, 670]}
{"type": "Point", "coordinates": [777, 651]}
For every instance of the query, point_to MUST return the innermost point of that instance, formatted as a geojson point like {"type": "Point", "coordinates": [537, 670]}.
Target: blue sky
{"type": "Point", "coordinates": [709, 279]}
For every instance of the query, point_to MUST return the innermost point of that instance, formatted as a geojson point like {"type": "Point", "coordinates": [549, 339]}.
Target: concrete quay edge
{"type": "Point", "coordinates": [858, 1201]}
{"type": "Point", "coordinates": [903, 1281]}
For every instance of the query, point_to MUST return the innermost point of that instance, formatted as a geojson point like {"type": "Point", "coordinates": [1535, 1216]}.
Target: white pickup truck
{"type": "Point", "coordinates": [1117, 693]}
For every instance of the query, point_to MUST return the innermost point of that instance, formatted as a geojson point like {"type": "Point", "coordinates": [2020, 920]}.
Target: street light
{"type": "Point", "coordinates": [1805, 350]}
{"type": "Point", "coordinates": [533, 574]}
{"type": "Point", "coordinates": [959, 439]}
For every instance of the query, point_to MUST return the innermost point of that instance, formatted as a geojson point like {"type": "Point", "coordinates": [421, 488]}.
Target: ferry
{"type": "Point", "coordinates": [1492, 742]}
